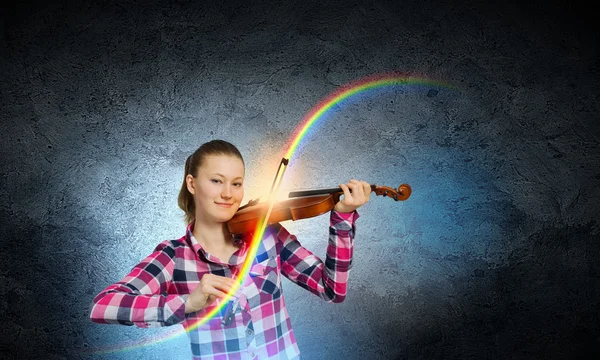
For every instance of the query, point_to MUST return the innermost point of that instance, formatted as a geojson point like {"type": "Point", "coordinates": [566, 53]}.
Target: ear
{"type": "Point", "coordinates": [189, 181]}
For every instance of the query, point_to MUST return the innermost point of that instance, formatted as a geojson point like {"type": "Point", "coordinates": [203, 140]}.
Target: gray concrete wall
{"type": "Point", "coordinates": [493, 257]}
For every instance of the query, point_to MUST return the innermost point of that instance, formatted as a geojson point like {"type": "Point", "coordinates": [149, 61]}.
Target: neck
{"type": "Point", "coordinates": [214, 234]}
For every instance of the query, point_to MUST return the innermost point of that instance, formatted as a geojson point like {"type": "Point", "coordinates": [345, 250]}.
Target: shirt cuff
{"type": "Point", "coordinates": [174, 309]}
{"type": "Point", "coordinates": [343, 221]}
{"type": "Point", "coordinates": [342, 229]}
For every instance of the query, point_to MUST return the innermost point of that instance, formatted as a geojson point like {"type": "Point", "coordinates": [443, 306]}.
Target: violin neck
{"type": "Point", "coordinates": [294, 194]}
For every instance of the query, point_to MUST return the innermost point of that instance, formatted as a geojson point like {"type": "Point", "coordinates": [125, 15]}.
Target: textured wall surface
{"type": "Point", "coordinates": [494, 256]}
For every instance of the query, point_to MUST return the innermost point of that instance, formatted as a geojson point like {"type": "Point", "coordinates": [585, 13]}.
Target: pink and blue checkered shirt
{"type": "Point", "coordinates": [155, 291]}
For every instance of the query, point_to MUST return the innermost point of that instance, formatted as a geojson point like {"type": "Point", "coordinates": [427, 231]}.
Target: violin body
{"type": "Point", "coordinates": [302, 205]}
{"type": "Point", "coordinates": [246, 218]}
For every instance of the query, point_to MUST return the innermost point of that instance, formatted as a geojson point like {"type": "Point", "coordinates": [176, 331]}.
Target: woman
{"type": "Point", "coordinates": [184, 279]}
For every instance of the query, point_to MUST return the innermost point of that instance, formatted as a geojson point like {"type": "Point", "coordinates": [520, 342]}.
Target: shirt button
{"type": "Point", "coordinates": [252, 355]}
{"type": "Point", "coordinates": [249, 332]}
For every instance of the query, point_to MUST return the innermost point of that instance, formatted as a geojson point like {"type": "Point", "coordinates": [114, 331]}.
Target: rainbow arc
{"type": "Point", "coordinates": [310, 121]}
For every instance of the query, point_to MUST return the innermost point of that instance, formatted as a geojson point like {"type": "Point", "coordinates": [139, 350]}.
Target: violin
{"type": "Point", "coordinates": [301, 205]}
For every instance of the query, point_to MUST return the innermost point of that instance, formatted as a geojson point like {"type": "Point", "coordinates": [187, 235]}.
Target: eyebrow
{"type": "Point", "coordinates": [223, 176]}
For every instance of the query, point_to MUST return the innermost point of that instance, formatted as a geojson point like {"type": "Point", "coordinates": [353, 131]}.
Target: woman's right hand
{"type": "Point", "coordinates": [210, 288]}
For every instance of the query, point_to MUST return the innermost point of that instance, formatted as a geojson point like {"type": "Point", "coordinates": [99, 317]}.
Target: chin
{"type": "Point", "coordinates": [225, 216]}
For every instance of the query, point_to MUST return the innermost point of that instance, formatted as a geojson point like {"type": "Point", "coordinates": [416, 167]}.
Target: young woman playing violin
{"type": "Point", "coordinates": [182, 280]}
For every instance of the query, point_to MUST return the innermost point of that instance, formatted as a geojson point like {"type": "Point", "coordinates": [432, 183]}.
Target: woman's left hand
{"type": "Point", "coordinates": [361, 191]}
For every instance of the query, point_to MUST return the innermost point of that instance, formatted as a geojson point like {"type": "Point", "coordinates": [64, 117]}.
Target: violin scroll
{"type": "Point", "coordinates": [403, 192]}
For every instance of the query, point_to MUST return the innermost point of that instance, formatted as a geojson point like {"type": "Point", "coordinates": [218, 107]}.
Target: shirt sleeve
{"type": "Point", "coordinates": [327, 280]}
{"type": "Point", "coordinates": [141, 297]}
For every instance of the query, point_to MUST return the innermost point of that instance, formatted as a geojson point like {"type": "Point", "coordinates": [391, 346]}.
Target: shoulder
{"type": "Point", "coordinates": [279, 232]}
{"type": "Point", "coordinates": [172, 247]}
{"type": "Point", "coordinates": [282, 238]}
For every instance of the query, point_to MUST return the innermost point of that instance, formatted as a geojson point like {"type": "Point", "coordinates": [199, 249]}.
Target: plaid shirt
{"type": "Point", "coordinates": [155, 291]}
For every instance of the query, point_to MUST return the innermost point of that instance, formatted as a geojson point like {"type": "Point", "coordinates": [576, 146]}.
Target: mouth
{"type": "Point", "coordinates": [225, 205]}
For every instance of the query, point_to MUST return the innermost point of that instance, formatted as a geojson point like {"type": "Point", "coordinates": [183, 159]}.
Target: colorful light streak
{"type": "Point", "coordinates": [310, 120]}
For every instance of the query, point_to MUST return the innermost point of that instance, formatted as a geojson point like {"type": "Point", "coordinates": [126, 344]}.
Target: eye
{"type": "Point", "coordinates": [216, 181]}
{"type": "Point", "coordinates": [238, 184]}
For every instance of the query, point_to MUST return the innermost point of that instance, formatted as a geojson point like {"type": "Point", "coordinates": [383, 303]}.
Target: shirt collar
{"type": "Point", "coordinates": [237, 258]}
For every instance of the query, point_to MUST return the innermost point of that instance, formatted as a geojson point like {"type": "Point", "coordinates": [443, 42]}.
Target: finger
{"type": "Point", "coordinates": [221, 279]}
{"type": "Point", "coordinates": [220, 283]}
{"type": "Point", "coordinates": [347, 195]}
{"type": "Point", "coordinates": [353, 184]}
{"type": "Point", "coordinates": [211, 284]}
{"type": "Point", "coordinates": [366, 189]}
{"type": "Point", "coordinates": [224, 284]}
{"type": "Point", "coordinates": [360, 188]}
{"type": "Point", "coordinates": [357, 191]}
{"type": "Point", "coordinates": [216, 292]}
{"type": "Point", "coordinates": [227, 280]}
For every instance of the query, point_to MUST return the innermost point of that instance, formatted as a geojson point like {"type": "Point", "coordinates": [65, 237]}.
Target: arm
{"type": "Point", "coordinates": [141, 298]}
{"type": "Point", "coordinates": [327, 280]}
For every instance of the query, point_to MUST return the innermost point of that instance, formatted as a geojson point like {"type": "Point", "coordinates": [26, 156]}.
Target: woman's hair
{"type": "Point", "coordinates": [193, 163]}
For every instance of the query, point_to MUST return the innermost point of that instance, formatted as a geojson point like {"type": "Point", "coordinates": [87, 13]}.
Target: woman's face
{"type": "Point", "coordinates": [218, 188]}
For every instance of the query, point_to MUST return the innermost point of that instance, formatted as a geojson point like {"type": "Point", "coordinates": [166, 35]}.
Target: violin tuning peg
{"type": "Point", "coordinates": [254, 202]}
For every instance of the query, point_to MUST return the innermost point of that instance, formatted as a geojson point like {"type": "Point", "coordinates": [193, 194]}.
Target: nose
{"type": "Point", "coordinates": [226, 192]}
